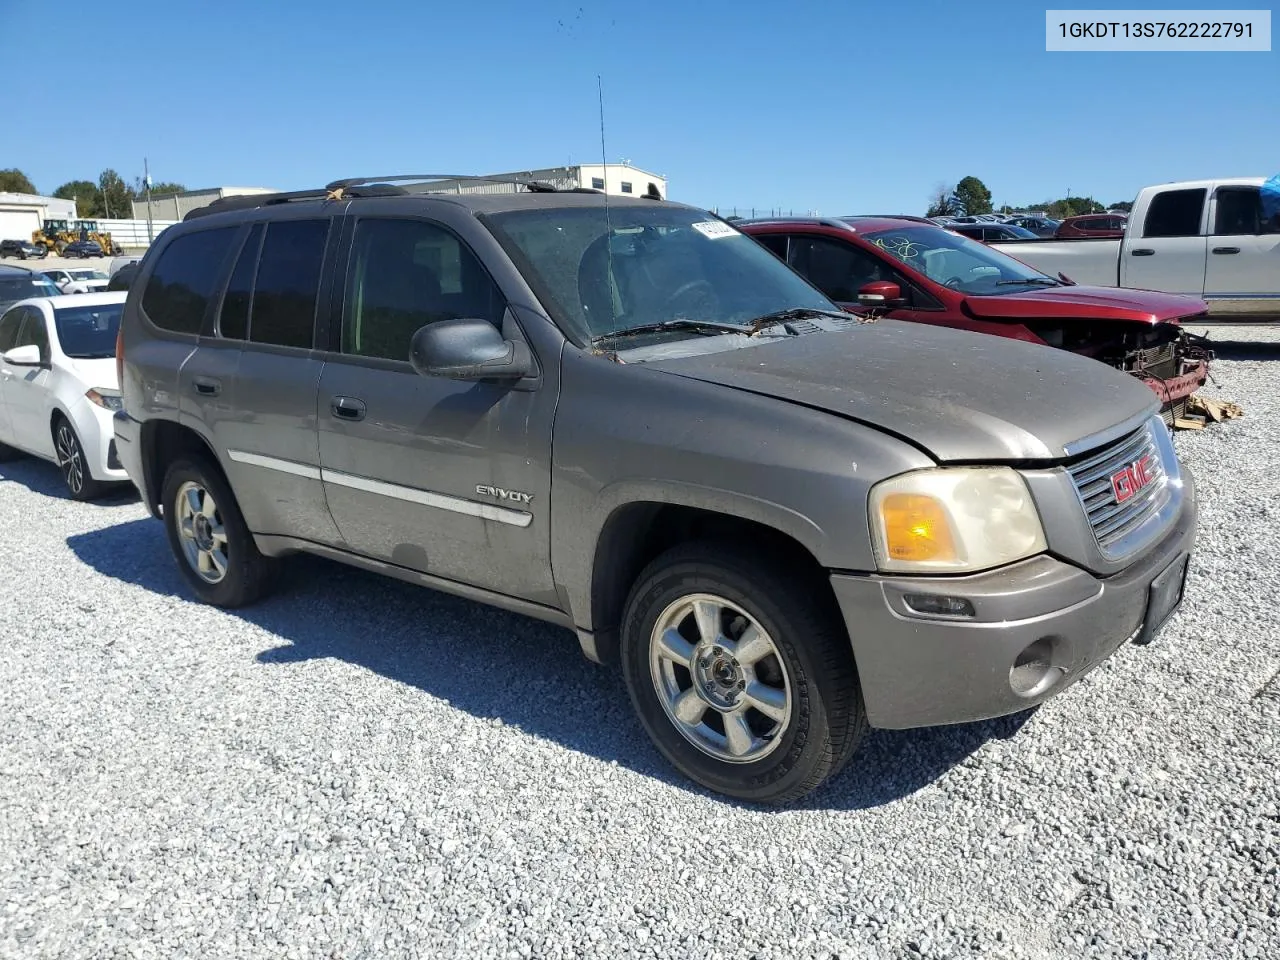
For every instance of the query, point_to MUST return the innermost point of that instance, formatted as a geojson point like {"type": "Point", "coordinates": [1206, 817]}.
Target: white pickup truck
{"type": "Point", "coordinates": [1207, 238]}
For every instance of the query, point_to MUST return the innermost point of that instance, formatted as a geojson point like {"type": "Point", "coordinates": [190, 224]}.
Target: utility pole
{"type": "Point", "coordinates": [146, 179]}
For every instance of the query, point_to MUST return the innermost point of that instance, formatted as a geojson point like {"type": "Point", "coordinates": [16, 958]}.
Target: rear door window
{"type": "Point", "coordinates": [233, 319]}
{"type": "Point", "coordinates": [1175, 213]}
{"type": "Point", "coordinates": [179, 288]}
{"type": "Point", "coordinates": [288, 282]}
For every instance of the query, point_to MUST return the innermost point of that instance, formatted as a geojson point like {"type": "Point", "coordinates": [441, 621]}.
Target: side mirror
{"type": "Point", "coordinates": [28, 356]}
{"type": "Point", "coordinates": [880, 293]}
{"type": "Point", "coordinates": [468, 349]}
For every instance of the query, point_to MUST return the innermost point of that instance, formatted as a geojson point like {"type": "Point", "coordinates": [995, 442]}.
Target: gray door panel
{"type": "Point", "coordinates": [402, 482]}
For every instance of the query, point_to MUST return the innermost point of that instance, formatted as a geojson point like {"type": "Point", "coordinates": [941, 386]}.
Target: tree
{"type": "Point", "coordinates": [157, 189]}
{"type": "Point", "coordinates": [85, 194]}
{"type": "Point", "coordinates": [1125, 206]}
{"type": "Point", "coordinates": [942, 202]}
{"type": "Point", "coordinates": [116, 196]}
{"type": "Point", "coordinates": [973, 195]}
{"type": "Point", "coordinates": [14, 180]}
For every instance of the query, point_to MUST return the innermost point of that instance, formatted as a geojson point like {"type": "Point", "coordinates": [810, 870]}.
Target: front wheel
{"type": "Point", "coordinates": [73, 463]}
{"type": "Point", "coordinates": [209, 538]}
{"type": "Point", "coordinates": [741, 673]}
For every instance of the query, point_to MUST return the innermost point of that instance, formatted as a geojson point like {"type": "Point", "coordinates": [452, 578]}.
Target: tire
{"type": "Point", "coordinates": [73, 463]}
{"type": "Point", "coordinates": [806, 677]}
{"type": "Point", "coordinates": [235, 573]}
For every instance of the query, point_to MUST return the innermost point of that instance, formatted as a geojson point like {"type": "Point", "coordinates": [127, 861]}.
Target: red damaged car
{"type": "Point", "coordinates": [912, 271]}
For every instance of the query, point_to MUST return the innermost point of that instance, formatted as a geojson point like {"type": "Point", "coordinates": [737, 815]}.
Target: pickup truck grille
{"type": "Point", "coordinates": [1117, 494]}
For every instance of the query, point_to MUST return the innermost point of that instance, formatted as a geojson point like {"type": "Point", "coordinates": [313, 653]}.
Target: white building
{"type": "Point", "coordinates": [616, 179]}
{"type": "Point", "coordinates": [21, 214]}
{"type": "Point", "coordinates": [175, 206]}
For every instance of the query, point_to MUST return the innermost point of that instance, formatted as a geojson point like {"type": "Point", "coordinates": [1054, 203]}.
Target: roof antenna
{"type": "Point", "coordinates": [608, 223]}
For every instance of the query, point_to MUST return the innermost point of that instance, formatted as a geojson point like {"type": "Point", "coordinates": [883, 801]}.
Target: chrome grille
{"type": "Point", "coordinates": [1112, 521]}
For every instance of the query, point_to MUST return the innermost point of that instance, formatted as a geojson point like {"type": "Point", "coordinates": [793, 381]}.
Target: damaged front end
{"type": "Point", "coordinates": [1171, 361]}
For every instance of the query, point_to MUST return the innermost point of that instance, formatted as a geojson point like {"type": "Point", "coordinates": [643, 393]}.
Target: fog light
{"type": "Point", "coordinates": [1034, 672]}
{"type": "Point", "coordinates": [932, 605]}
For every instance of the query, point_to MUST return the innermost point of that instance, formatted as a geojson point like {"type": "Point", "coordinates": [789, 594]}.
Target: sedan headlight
{"type": "Point", "coordinates": [105, 397]}
{"type": "Point", "coordinates": [954, 520]}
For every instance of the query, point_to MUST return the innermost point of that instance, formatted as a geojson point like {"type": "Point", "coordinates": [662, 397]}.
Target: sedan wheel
{"type": "Point", "coordinates": [204, 538]}
{"type": "Point", "coordinates": [71, 461]}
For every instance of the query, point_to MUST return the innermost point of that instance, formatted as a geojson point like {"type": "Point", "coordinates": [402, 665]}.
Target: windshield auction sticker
{"type": "Point", "coordinates": [714, 229]}
{"type": "Point", "coordinates": [1157, 31]}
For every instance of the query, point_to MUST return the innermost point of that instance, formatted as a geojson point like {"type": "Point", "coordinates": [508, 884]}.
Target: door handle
{"type": "Point", "coordinates": [347, 408]}
{"type": "Point", "coordinates": [207, 386]}
{"type": "Point", "coordinates": [1226, 249]}
{"type": "Point", "coordinates": [1143, 253]}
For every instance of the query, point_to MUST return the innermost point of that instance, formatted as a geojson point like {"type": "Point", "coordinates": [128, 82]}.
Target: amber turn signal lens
{"type": "Point", "coordinates": [916, 528]}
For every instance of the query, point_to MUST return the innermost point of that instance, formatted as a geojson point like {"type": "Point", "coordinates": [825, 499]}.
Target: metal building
{"type": "Point", "coordinates": [21, 214]}
{"type": "Point", "coordinates": [175, 206]}
{"type": "Point", "coordinates": [617, 179]}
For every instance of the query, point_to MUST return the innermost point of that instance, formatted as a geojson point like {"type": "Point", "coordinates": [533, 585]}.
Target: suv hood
{"type": "Point", "coordinates": [1087, 303]}
{"type": "Point", "coordinates": [960, 396]}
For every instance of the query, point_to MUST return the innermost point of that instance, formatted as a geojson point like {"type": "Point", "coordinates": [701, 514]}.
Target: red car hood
{"type": "Point", "coordinates": [1088, 303]}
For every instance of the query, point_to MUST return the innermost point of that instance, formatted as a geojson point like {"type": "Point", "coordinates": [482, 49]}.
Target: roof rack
{"type": "Point", "coordinates": [536, 186]}
{"type": "Point", "coordinates": [821, 221]}
{"type": "Point", "coordinates": [250, 201]}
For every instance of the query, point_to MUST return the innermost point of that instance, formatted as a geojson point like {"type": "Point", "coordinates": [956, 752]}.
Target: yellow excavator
{"type": "Point", "coordinates": [53, 236]}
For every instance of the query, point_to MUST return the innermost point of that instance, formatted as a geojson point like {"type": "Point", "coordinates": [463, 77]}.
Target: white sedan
{"type": "Point", "coordinates": [59, 387]}
{"type": "Point", "coordinates": [78, 280]}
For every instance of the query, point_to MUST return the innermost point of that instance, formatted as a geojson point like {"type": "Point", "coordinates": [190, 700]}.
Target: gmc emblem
{"type": "Point", "coordinates": [1125, 483]}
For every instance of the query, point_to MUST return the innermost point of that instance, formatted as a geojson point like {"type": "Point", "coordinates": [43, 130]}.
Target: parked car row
{"type": "Point", "coordinates": [784, 523]}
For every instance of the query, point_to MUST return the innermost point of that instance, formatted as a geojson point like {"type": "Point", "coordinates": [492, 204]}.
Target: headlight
{"type": "Point", "coordinates": [106, 398]}
{"type": "Point", "coordinates": [954, 520]}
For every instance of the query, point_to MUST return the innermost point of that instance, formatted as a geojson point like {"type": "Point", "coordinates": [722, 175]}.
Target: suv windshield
{"type": "Point", "coordinates": [657, 264]}
{"type": "Point", "coordinates": [87, 275]}
{"type": "Point", "coordinates": [958, 262]}
{"type": "Point", "coordinates": [88, 332]}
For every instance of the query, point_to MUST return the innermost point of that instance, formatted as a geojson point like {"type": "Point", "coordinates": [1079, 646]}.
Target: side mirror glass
{"type": "Point", "coordinates": [27, 356]}
{"type": "Point", "coordinates": [880, 293]}
{"type": "Point", "coordinates": [468, 349]}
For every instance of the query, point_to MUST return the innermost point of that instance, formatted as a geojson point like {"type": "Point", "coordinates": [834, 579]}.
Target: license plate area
{"type": "Point", "coordinates": [1163, 597]}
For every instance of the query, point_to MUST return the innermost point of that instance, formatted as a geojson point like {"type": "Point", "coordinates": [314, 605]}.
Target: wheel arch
{"type": "Point", "coordinates": [162, 441]}
{"type": "Point", "coordinates": [635, 532]}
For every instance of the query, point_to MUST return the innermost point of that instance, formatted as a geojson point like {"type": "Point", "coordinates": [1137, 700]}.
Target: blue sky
{"type": "Point", "coordinates": [841, 106]}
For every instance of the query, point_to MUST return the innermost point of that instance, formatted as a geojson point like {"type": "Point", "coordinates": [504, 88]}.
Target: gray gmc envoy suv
{"type": "Point", "coordinates": [626, 417]}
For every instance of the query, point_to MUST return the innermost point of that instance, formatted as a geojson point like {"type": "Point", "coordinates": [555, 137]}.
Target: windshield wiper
{"type": "Point", "coordinates": [679, 323]}
{"type": "Point", "coordinates": [1049, 281]}
{"type": "Point", "coordinates": [792, 313]}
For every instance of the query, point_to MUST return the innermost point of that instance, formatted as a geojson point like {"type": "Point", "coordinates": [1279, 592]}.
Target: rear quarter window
{"type": "Point", "coordinates": [185, 277]}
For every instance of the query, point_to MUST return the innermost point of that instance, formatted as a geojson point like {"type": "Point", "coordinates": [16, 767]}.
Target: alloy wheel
{"type": "Point", "coordinates": [201, 532]}
{"type": "Point", "coordinates": [70, 458]}
{"type": "Point", "coordinates": [720, 678]}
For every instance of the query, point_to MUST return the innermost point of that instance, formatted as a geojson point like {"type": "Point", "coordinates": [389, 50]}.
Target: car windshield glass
{"type": "Point", "coordinates": [88, 332]}
{"type": "Point", "coordinates": [957, 262]}
{"type": "Point", "coordinates": [647, 265]}
{"type": "Point", "coordinates": [87, 275]}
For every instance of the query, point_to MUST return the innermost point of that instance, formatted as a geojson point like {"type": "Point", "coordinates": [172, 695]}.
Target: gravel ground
{"type": "Point", "coordinates": [359, 768]}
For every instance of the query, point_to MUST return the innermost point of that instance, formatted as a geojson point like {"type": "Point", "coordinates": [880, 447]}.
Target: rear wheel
{"type": "Point", "coordinates": [73, 464]}
{"type": "Point", "coordinates": [741, 673]}
{"type": "Point", "coordinates": [209, 538]}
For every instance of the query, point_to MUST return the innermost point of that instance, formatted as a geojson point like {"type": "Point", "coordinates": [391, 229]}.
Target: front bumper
{"type": "Point", "coordinates": [1174, 389]}
{"type": "Point", "coordinates": [1040, 617]}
